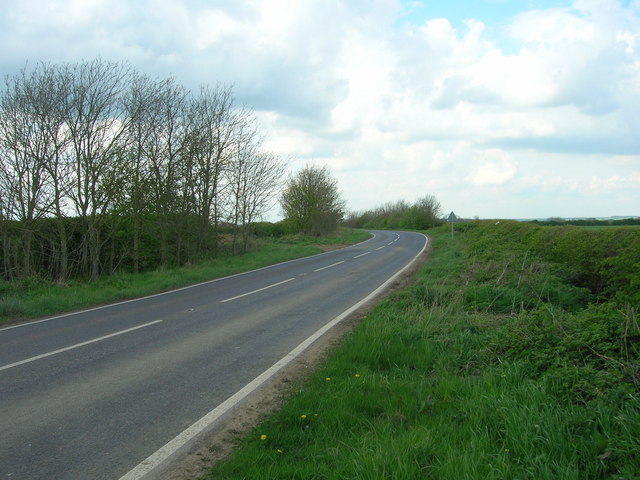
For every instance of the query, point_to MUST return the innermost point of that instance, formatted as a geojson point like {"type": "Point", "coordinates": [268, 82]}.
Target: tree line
{"type": "Point", "coordinates": [424, 213]}
{"type": "Point", "coordinates": [106, 169]}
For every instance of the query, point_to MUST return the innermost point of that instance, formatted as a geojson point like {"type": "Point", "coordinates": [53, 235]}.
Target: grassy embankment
{"type": "Point", "coordinates": [35, 297]}
{"type": "Point", "coordinates": [515, 354]}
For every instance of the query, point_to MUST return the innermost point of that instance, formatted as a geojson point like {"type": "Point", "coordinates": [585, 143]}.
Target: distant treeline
{"type": "Point", "coordinates": [589, 222]}
{"type": "Point", "coordinates": [424, 213]}
{"type": "Point", "coordinates": [103, 169]}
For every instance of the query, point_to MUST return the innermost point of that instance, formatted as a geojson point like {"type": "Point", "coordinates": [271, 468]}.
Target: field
{"type": "Point", "coordinates": [514, 354]}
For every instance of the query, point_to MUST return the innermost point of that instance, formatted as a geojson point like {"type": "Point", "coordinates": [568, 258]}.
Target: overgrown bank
{"type": "Point", "coordinates": [515, 354]}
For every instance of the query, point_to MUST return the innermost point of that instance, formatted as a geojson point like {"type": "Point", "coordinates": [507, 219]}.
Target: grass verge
{"type": "Point", "coordinates": [35, 297]}
{"type": "Point", "coordinates": [430, 385]}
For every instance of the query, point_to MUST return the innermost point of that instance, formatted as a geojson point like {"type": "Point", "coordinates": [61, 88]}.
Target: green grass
{"type": "Point", "coordinates": [430, 385]}
{"type": "Point", "coordinates": [35, 297]}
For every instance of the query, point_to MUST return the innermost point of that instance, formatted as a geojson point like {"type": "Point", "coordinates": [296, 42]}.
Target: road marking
{"type": "Point", "coordinates": [362, 254]}
{"type": "Point", "coordinates": [169, 292]}
{"type": "Point", "coordinates": [390, 243]}
{"type": "Point", "coordinates": [162, 457]}
{"type": "Point", "coordinates": [256, 291]}
{"type": "Point", "coordinates": [380, 248]}
{"type": "Point", "coordinates": [77, 345]}
{"type": "Point", "coordinates": [328, 266]}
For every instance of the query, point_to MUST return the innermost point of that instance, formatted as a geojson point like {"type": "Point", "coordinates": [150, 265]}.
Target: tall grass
{"type": "Point", "coordinates": [430, 385]}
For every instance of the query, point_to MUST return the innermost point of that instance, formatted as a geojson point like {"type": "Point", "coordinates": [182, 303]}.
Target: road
{"type": "Point", "coordinates": [93, 394]}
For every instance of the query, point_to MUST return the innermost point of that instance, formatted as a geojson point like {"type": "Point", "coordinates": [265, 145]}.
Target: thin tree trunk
{"type": "Point", "coordinates": [63, 265]}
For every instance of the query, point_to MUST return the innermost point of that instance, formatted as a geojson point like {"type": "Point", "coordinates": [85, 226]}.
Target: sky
{"type": "Point", "coordinates": [498, 108]}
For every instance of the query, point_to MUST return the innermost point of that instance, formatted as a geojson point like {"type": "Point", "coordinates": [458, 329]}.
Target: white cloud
{"type": "Point", "coordinates": [494, 167]}
{"type": "Point", "coordinates": [614, 182]}
{"type": "Point", "coordinates": [551, 27]}
{"type": "Point", "coordinates": [396, 110]}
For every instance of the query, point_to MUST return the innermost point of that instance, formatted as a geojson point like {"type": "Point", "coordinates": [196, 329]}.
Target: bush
{"type": "Point", "coordinates": [267, 229]}
{"type": "Point", "coordinates": [582, 355]}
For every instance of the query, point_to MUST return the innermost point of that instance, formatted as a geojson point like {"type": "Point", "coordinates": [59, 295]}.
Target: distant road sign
{"type": "Point", "coordinates": [452, 219]}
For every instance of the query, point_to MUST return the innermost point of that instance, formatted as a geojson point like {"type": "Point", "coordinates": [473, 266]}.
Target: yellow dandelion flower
{"type": "Point", "coordinates": [328, 379]}
{"type": "Point", "coordinates": [357, 375]}
{"type": "Point", "coordinates": [303, 416]}
{"type": "Point", "coordinates": [279, 451]}
{"type": "Point", "coordinates": [263, 437]}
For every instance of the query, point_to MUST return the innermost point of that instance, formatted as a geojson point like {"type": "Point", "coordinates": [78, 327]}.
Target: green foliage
{"type": "Point", "coordinates": [590, 222]}
{"type": "Point", "coordinates": [580, 355]}
{"type": "Point", "coordinates": [547, 279]}
{"type": "Point", "coordinates": [311, 201]}
{"type": "Point", "coordinates": [116, 253]}
{"type": "Point", "coordinates": [267, 229]}
{"type": "Point", "coordinates": [421, 215]}
{"type": "Point", "coordinates": [492, 364]}
{"type": "Point", "coordinates": [605, 262]}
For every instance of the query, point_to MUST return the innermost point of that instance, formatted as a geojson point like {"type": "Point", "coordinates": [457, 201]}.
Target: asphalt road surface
{"type": "Point", "coordinates": [93, 394]}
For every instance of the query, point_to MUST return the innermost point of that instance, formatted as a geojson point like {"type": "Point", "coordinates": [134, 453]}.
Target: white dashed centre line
{"type": "Point", "coordinates": [328, 266]}
{"type": "Point", "coordinates": [256, 291]}
{"type": "Point", "coordinates": [77, 345]}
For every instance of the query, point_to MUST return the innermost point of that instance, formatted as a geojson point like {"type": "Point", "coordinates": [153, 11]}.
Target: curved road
{"type": "Point", "coordinates": [91, 395]}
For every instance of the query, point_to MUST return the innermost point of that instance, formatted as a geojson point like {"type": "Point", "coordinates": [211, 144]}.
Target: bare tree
{"type": "Point", "coordinates": [9, 268]}
{"type": "Point", "coordinates": [430, 211]}
{"type": "Point", "coordinates": [32, 137]}
{"type": "Point", "coordinates": [254, 177]}
{"type": "Point", "coordinates": [97, 123]}
{"type": "Point", "coordinates": [164, 147]}
{"type": "Point", "coordinates": [140, 101]}
{"type": "Point", "coordinates": [216, 124]}
{"type": "Point", "coordinates": [101, 167]}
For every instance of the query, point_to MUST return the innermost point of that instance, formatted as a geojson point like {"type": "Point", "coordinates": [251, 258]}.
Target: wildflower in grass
{"type": "Point", "coordinates": [279, 451]}
{"type": "Point", "coordinates": [328, 379]}
{"type": "Point", "coordinates": [263, 437]}
{"type": "Point", "coordinates": [357, 375]}
{"type": "Point", "coordinates": [303, 417]}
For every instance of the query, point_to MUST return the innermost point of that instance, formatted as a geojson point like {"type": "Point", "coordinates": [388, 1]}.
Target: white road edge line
{"type": "Point", "coordinates": [328, 266]}
{"type": "Point", "coordinates": [256, 291]}
{"type": "Point", "coordinates": [362, 255]}
{"type": "Point", "coordinates": [77, 345]}
{"type": "Point", "coordinates": [380, 248]}
{"type": "Point", "coordinates": [163, 455]}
